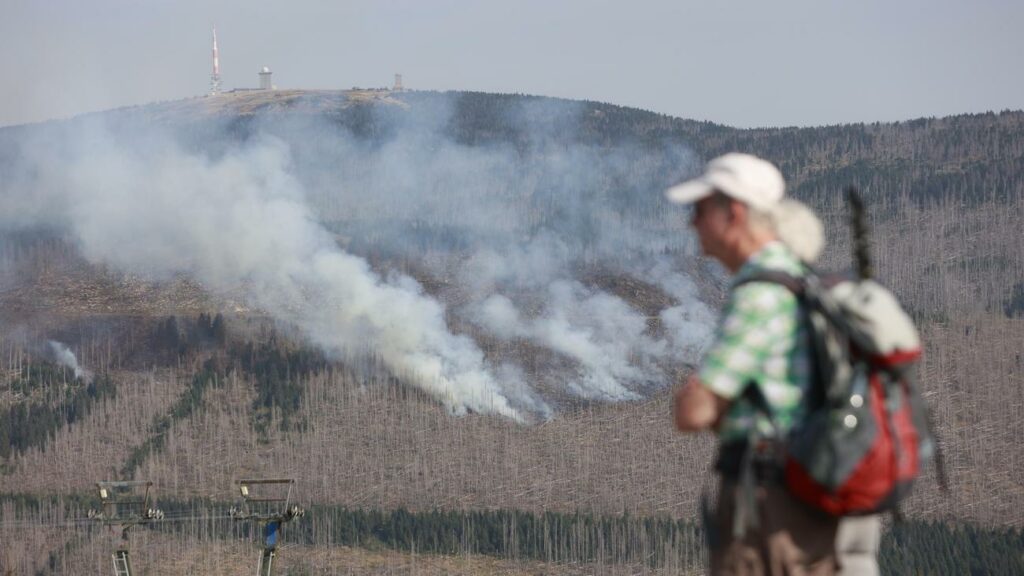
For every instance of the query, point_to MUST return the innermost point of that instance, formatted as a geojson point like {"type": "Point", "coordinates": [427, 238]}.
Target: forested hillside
{"type": "Point", "coordinates": [440, 310]}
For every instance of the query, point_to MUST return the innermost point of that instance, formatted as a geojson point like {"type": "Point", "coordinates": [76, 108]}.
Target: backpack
{"type": "Point", "coordinates": [866, 433]}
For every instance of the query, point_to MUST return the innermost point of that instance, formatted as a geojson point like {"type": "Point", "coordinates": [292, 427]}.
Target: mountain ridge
{"type": "Point", "coordinates": [421, 194]}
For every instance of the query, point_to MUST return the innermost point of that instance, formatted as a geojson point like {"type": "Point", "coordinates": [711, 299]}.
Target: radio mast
{"type": "Point", "coordinates": [215, 77]}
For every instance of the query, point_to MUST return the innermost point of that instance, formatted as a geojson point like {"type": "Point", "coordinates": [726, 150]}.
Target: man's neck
{"type": "Point", "coordinates": [745, 248]}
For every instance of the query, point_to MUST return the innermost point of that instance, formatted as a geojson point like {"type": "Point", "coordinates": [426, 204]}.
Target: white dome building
{"type": "Point", "coordinates": [265, 83]}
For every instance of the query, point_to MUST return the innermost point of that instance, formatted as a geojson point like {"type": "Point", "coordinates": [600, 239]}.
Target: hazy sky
{"type": "Point", "coordinates": [765, 63]}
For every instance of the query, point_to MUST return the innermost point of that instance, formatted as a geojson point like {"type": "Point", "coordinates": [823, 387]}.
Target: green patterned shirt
{"type": "Point", "coordinates": [760, 338]}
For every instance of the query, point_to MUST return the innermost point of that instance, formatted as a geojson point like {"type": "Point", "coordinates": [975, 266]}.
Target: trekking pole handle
{"type": "Point", "coordinates": [861, 242]}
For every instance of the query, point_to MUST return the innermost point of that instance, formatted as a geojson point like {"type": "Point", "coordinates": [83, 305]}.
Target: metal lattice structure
{"type": "Point", "coordinates": [268, 502]}
{"type": "Point", "coordinates": [122, 567]}
{"type": "Point", "coordinates": [125, 504]}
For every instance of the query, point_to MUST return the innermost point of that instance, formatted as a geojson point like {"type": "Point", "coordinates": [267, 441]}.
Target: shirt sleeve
{"type": "Point", "coordinates": [757, 318]}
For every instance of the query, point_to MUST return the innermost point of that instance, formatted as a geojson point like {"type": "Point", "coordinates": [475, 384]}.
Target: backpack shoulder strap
{"type": "Point", "coordinates": [806, 289]}
{"type": "Point", "coordinates": [812, 291]}
{"type": "Point", "coordinates": [795, 284]}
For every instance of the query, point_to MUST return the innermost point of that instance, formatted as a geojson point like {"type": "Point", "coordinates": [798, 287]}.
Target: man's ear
{"type": "Point", "coordinates": [737, 212]}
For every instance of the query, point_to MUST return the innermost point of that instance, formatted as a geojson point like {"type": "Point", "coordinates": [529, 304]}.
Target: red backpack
{"type": "Point", "coordinates": [866, 434]}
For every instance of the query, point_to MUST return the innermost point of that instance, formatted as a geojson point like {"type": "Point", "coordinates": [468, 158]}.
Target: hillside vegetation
{"type": "Point", "coordinates": [193, 384]}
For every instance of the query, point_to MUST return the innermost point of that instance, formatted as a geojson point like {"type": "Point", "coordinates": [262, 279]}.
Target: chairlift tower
{"type": "Point", "coordinates": [125, 504]}
{"type": "Point", "coordinates": [268, 503]}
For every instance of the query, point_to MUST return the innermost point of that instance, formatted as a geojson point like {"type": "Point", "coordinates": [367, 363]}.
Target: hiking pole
{"type": "Point", "coordinates": [862, 263]}
{"type": "Point", "coordinates": [861, 242]}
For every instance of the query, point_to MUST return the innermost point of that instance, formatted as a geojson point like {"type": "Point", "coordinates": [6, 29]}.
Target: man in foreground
{"type": "Point", "coordinates": [761, 354]}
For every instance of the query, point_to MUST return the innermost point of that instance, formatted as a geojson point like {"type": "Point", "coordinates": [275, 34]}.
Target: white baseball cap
{"type": "Point", "coordinates": [749, 179]}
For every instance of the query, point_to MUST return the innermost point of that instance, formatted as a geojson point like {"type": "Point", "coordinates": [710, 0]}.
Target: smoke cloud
{"type": "Point", "coordinates": [63, 356]}
{"type": "Point", "coordinates": [288, 209]}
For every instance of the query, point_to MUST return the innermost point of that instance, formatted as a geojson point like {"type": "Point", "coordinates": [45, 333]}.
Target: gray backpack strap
{"type": "Point", "coordinates": [813, 293]}
{"type": "Point", "coordinates": [794, 284]}
{"type": "Point", "coordinates": [807, 290]}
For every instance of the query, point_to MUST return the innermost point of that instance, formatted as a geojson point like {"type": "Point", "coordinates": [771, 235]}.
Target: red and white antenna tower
{"type": "Point", "coordinates": [215, 77]}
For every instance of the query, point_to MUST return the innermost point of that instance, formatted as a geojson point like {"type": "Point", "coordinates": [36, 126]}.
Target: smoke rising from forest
{"type": "Point", "coordinates": [63, 356]}
{"type": "Point", "coordinates": [295, 214]}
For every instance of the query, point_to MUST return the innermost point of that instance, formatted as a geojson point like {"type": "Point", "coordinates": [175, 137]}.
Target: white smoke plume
{"type": "Point", "coordinates": [242, 220]}
{"type": "Point", "coordinates": [597, 330]}
{"type": "Point", "coordinates": [266, 212]}
{"type": "Point", "coordinates": [602, 333]}
{"type": "Point", "coordinates": [690, 324]}
{"type": "Point", "coordinates": [63, 356]}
